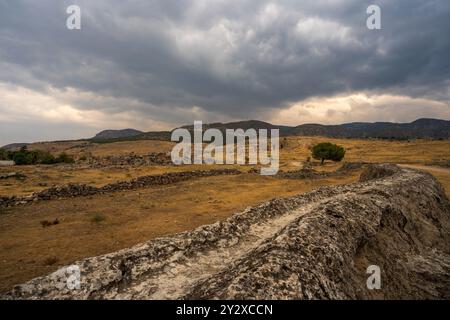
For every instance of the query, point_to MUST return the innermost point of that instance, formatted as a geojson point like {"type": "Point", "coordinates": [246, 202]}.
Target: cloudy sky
{"type": "Point", "coordinates": [155, 64]}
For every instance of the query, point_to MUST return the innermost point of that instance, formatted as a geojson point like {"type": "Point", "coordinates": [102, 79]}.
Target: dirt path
{"type": "Point", "coordinates": [426, 168]}
{"type": "Point", "coordinates": [175, 280]}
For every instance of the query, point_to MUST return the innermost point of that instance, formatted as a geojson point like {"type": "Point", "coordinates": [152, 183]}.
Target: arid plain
{"type": "Point", "coordinates": [101, 223]}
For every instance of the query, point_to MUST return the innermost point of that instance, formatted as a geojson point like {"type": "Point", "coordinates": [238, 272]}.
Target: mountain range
{"type": "Point", "coordinates": [419, 129]}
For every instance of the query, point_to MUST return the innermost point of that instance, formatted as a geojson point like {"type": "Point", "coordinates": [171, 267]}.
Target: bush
{"type": "Point", "coordinates": [64, 158]}
{"type": "Point", "coordinates": [3, 154]}
{"type": "Point", "coordinates": [50, 261]}
{"type": "Point", "coordinates": [328, 151]}
{"type": "Point", "coordinates": [25, 157]}
{"type": "Point", "coordinates": [97, 218]}
{"type": "Point", "coordinates": [47, 158]}
{"type": "Point", "coordinates": [20, 158]}
{"type": "Point", "coordinates": [46, 223]}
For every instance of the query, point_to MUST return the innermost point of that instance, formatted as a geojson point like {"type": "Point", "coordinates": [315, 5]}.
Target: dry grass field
{"type": "Point", "coordinates": [414, 151]}
{"type": "Point", "coordinates": [42, 177]}
{"type": "Point", "coordinates": [105, 223]}
{"type": "Point", "coordinates": [80, 148]}
{"type": "Point", "coordinates": [100, 224]}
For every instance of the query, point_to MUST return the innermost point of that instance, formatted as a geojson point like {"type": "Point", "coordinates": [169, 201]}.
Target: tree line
{"type": "Point", "coordinates": [29, 157]}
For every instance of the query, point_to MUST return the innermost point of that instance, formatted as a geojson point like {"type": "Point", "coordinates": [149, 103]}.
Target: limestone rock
{"type": "Point", "coordinates": [311, 246]}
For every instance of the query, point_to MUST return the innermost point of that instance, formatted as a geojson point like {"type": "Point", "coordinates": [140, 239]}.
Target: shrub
{"type": "Point", "coordinates": [46, 223]}
{"type": "Point", "coordinates": [64, 158]}
{"type": "Point", "coordinates": [97, 218]}
{"type": "Point", "coordinates": [47, 158]}
{"type": "Point", "coordinates": [20, 158]}
{"type": "Point", "coordinates": [3, 154]}
{"type": "Point", "coordinates": [328, 151]}
{"type": "Point", "coordinates": [25, 157]}
{"type": "Point", "coordinates": [50, 261]}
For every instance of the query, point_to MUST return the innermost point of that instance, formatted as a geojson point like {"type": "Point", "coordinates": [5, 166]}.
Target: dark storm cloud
{"type": "Point", "coordinates": [236, 58]}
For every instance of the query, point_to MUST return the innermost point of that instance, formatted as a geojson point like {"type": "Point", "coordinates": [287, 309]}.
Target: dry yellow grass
{"type": "Point", "coordinates": [416, 151]}
{"type": "Point", "coordinates": [295, 150]}
{"type": "Point", "coordinates": [129, 217]}
{"type": "Point", "coordinates": [126, 147]}
{"type": "Point", "coordinates": [42, 177]}
{"type": "Point", "coordinates": [79, 148]}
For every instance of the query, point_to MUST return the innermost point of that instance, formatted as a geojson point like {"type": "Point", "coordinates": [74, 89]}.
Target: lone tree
{"type": "Point", "coordinates": [328, 151]}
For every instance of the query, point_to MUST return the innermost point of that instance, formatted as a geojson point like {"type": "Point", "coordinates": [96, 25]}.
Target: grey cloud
{"type": "Point", "coordinates": [235, 58]}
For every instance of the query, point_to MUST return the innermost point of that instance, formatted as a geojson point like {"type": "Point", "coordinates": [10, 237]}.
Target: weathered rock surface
{"type": "Point", "coordinates": [311, 246]}
{"type": "Point", "coordinates": [8, 175]}
{"type": "Point", "coordinates": [309, 173]}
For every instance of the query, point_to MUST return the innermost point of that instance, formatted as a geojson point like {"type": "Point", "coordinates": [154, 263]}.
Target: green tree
{"type": "Point", "coordinates": [328, 151]}
{"type": "Point", "coordinates": [47, 158]}
{"type": "Point", "coordinates": [3, 154]}
{"type": "Point", "coordinates": [26, 157]}
{"type": "Point", "coordinates": [20, 158]}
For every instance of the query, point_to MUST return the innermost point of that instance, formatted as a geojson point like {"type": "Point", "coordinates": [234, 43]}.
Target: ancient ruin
{"type": "Point", "coordinates": [311, 246]}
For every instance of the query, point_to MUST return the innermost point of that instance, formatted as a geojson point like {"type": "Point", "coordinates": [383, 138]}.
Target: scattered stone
{"type": "Point", "coordinates": [303, 174]}
{"type": "Point", "coordinates": [134, 160]}
{"type": "Point", "coordinates": [17, 175]}
{"type": "Point", "coordinates": [50, 261]}
{"type": "Point", "coordinates": [378, 172]}
{"type": "Point", "coordinates": [82, 190]}
{"type": "Point", "coordinates": [307, 172]}
{"type": "Point", "coordinates": [47, 223]}
{"type": "Point", "coordinates": [41, 184]}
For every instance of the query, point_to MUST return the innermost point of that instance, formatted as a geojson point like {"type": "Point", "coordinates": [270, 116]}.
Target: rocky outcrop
{"type": "Point", "coordinates": [312, 246]}
{"type": "Point", "coordinates": [377, 172]}
{"type": "Point", "coordinates": [17, 175]}
{"type": "Point", "coordinates": [82, 190]}
{"type": "Point", "coordinates": [309, 173]}
{"type": "Point", "coordinates": [134, 160]}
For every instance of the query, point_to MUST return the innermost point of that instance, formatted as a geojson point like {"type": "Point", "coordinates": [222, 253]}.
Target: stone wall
{"type": "Point", "coordinates": [151, 159]}
{"type": "Point", "coordinates": [82, 190]}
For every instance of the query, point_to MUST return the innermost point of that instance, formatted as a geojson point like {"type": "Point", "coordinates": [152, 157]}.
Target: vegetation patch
{"type": "Point", "coordinates": [97, 218]}
{"type": "Point", "coordinates": [27, 157]}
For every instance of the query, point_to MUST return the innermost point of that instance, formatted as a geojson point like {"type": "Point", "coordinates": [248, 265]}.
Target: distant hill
{"type": "Point", "coordinates": [421, 128]}
{"type": "Point", "coordinates": [14, 146]}
{"type": "Point", "coordinates": [151, 135]}
{"type": "Point", "coordinates": [250, 124]}
{"type": "Point", "coordinates": [116, 134]}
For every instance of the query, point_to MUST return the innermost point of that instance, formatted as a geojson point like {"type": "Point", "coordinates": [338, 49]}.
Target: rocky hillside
{"type": "Point", "coordinates": [312, 246]}
{"type": "Point", "coordinates": [116, 134]}
{"type": "Point", "coordinates": [14, 146]}
{"type": "Point", "coordinates": [421, 128]}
